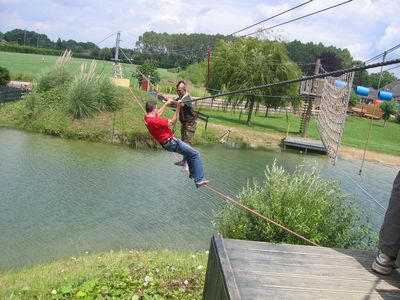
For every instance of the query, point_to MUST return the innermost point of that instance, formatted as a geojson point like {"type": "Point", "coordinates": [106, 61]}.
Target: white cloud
{"type": "Point", "coordinates": [365, 27]}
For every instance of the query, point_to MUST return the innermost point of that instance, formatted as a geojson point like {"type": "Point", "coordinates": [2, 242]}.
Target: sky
{"type": "Point", "coordinates": [366, 28]}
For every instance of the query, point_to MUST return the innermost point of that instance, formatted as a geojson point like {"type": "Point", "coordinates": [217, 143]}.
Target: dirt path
{"type": "Point", "coordinates": [270, 140]}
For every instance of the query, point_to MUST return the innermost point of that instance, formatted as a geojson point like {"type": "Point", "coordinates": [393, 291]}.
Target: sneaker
{"type": "Point", "coordinates": [180, 163]}
{"type": "Point", "coordinates": [383, 263]}
{"type": "Point", "coordinates": [202, 182]}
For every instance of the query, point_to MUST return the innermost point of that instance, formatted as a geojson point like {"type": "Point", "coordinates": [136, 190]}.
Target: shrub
{"type": "Point", "coordinates": [4, 76]}
{"type": "Point", "coordinates": [23, 76]}
{"type": "Point", "coordinates": [149, 69]}
{"type": "Point", "coordinates": [196, 73]}
{"type": "Point", "coordinates": [51, 78]}
{"type": "Point", "coordinates": [109, 97]}
{"type": "Point", "coordinates": [305, 203]}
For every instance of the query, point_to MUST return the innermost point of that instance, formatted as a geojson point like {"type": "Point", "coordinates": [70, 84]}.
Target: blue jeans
{"type": "Point", "coordinates": [191, 155]}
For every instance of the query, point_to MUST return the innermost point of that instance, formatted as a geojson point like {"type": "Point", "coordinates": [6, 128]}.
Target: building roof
{"type": "Point", "coordinates": [393, 87]}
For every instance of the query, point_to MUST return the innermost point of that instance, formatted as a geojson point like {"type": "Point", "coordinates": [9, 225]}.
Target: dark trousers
{"type": "Point", "coordinates": [389, 236]}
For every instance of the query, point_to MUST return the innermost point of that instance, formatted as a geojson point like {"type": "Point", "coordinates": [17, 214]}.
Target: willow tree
{"type": "Point", "coordinates": [248, 62]}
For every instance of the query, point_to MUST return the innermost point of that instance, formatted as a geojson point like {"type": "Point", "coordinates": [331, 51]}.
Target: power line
{"type": "Point", "coordinates": [333, 73]}
{"type": "Point", "coordinates": [302, 17]}
{"type": "Point", "coordinates": [270, 18]}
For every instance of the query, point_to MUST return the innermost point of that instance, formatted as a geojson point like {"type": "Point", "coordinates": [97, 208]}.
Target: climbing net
{"type": "Point", "coordinates": [331, 116]}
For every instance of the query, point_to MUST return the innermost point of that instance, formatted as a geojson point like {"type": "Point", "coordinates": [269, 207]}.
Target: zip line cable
{"type": "Point", "coordinates": [270, 18]}
{"type": "Point", "coordinates": [290, 81]}
{"type": "Point", "coordinates": [382, 54]}
{"type": "Point", "coordinates": [106, 38]}
{"type": "Point", "coordinates": [299, 18]}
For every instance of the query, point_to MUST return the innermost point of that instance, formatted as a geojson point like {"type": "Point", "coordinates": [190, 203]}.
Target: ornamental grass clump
{"type": "Point", "coordinates": [303, 202]}
{"type": "Point", "coordinates": [90, 93]}
{"type": "Point", "coordinates": [55, 76]}
{"type": "Point", "coordinates": [83, 93]}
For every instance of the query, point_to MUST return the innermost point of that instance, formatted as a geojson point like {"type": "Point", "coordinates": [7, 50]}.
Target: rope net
{"type": "Point", "coordinates": [332, 113]}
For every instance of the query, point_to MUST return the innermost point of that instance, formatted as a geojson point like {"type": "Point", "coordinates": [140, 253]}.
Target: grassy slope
{"type": "Point", "coordinates": [176, 275]}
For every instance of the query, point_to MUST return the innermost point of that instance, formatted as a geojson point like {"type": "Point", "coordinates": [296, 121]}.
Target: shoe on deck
{"type": "Point", "coordinates": [180, 163]}
{"type": "Point", "coordinates": [202, 183]}
{"type": "Point", "coordinates": [383, 263]}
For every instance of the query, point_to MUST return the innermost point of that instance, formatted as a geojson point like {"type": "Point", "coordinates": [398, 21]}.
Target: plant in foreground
{"type": "Point", "coordinates": [305, 203]}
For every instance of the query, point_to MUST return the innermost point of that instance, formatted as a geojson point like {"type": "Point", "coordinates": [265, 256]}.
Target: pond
{"type": "Point", "coordinates": [62, 198]}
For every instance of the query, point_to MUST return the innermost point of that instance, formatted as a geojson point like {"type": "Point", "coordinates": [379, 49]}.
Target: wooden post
{"type": "Point", "coordinates": [307, 114]}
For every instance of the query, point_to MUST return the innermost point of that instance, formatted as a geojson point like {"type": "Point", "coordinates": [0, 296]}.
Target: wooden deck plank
{"type": "Point", "coordinates": [280, 271]}
{"type": "Point", "coordinates": [305, 144]}
{"type": "Point", "coordinates": [265, 292]}
{"type": "Point", "coordinates": [316, 282]}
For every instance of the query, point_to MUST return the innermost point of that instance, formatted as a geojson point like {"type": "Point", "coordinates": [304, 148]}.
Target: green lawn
{"type": "Point", "coordinates": [382, 139]}
{"type": "Point", "coordinates": [33, 64]}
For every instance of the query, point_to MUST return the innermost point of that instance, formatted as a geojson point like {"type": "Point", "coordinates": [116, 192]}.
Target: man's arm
{"type": "Point", "coordinates": [173, 101]}
{"type": "Point", "coordinates": [162, 109]}
{"type": "Point", "coordinates": [175, 116]}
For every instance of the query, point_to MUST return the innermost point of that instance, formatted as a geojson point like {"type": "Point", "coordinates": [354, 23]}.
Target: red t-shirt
{"type": "Point", "coordinates": [158, 128]}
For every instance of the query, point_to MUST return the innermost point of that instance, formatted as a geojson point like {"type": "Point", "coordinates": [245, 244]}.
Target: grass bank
{"type": "Point", "coordinates": [48, 114]}
{"type": "Point", "coordinates": [159, 274]}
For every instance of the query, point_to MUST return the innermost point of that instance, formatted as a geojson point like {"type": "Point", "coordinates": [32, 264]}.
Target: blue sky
{"type": "Point", "coordinates": [365, 27]}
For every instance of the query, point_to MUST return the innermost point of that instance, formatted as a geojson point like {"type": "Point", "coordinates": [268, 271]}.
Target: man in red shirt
{"type": "Point", "coordinates": [159, 129]}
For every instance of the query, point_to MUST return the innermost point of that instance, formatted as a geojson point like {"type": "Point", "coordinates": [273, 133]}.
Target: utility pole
{"type": "Point", "coordinates": [117, 69]}
{"type": "Point", "coordinates": [37, 39]}
{"type": "Point", "coordinates": [24, 36]}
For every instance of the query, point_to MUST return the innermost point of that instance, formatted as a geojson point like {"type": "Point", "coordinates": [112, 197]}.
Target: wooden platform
{"type": "Point", "coordinates": [257, 270]}
{"type": "Point", "coordinates": [304, 144]}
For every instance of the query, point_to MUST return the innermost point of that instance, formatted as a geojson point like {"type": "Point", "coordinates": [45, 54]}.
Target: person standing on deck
{"type": "Point", "coordinates": [388, 256]}
{"type": "Point", "coordinates": [159, 129]}
{"type": "Point", "coordinates": [187, 117]}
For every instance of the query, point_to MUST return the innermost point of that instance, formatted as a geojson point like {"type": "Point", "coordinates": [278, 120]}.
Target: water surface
{"type": "Point", "coordinates": [61, 198]}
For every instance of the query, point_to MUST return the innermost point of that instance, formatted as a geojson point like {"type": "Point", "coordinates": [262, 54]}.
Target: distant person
{"type": "Point", "coordinates": [388, 256]}
{"type": "Point", "coordinates": [159, 129]}
{"type": "Point", "coordinates": [187, 117]}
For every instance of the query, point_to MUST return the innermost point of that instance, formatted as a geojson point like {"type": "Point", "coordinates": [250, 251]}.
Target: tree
{"type": "Point", "coordinates": [247, 62]}
{"type": "Point", "coordinates": [304, 55]}
{"type": "Point", "coordinates": [354, 99]}
{"type": "Point", "coordinates": [149, 69]}
{"type": "Point", "coordinates": [389, 108]}
{"type": "Point", "coordinates": [360, 77]}
{"type": "Point", "coordinates": [387, 77]}
{"type": "Point", "coordinates": [59, 45]}
{"type": "Point", "coordinates": [4, 76]}
{"type": "Point", "coordinates": [330, 61]}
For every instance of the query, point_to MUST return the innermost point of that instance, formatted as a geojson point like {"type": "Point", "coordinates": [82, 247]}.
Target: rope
{"type": "Point", "coordinates": [333, 73]}
{"type": "Point", "coordinates": [137, 100]}
{"type": "Point", "coordinates": [261, 216]}
{"type": "Point", "coordinates": [370, 123]}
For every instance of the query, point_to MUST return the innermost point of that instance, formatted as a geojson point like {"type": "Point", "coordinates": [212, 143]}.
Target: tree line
{"type": "Point", "coordinates": [182, 50]}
